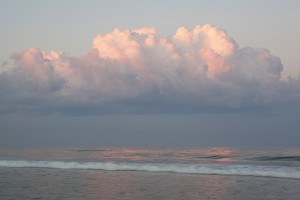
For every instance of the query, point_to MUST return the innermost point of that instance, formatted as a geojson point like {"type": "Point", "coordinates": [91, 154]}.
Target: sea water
{"type": "Point", "coordinates": [150, 173]}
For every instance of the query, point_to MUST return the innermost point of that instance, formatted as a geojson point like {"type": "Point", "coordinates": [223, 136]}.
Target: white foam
{"type": "Point", "coordinates": [242, 170]}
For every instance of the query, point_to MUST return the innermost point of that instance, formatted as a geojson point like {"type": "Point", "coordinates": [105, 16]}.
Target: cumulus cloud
{"type": "Point", "coordinates": [140, 71]}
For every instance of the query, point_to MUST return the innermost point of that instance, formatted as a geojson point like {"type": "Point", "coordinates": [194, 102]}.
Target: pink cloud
{"type": "Point", "coordinates": [200, 66]}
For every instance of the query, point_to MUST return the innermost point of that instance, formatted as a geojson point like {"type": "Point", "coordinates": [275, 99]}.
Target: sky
{"type": "Point", "coordinates": [155, 73]}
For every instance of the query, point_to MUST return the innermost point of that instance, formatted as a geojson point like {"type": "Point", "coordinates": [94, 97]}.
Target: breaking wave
{"type": "Point", "coordinates": [217, 169]}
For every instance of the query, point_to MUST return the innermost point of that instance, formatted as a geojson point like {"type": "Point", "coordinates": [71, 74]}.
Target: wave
{"type": "Point", "coordinates": [216, 169]}
{"type": "Point", "coordinates": [276, 158]}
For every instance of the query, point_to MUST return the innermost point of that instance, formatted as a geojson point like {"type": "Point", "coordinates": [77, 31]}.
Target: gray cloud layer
{"type": "Point", "coordinates": [137, 71]}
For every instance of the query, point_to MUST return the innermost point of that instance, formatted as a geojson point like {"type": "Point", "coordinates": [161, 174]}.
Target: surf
{"type": "Point", "coordinates": [208, 169]}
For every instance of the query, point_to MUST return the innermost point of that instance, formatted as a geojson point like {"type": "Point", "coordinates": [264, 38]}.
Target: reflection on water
{"type": "Point", "coordinates": [139, 185]}
{"type": "Point", "coordinates": [218, 155]}
{"type": "Point", "coordinates": [126, 154]}
{"type": "Point", "coordinates": [135, 185]}
{"type": "Point", "coordinates": [180, 155]}
{"type": "Point", "coordinates": [30, 183]}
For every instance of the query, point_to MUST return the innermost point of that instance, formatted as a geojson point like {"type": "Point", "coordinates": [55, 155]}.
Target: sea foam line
{"type": "Point", "coordinates": [218, 169]}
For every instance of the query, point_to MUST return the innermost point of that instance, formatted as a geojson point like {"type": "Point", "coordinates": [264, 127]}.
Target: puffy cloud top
{"type": "Point", "coordinates": [139, 71]}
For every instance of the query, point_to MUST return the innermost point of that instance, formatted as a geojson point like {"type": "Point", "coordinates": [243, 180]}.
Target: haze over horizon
{"type": "Point", "coordinates": [154, 74]}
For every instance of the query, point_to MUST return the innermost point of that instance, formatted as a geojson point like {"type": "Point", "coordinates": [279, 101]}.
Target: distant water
{"type": "Point", "coordinates": [149, 173]}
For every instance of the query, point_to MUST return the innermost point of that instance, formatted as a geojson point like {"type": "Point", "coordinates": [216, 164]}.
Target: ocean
{"type": "Point", "coordinates": [137, 173]}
